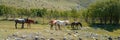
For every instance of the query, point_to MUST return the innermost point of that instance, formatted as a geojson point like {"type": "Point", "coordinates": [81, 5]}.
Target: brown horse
{"type": "Point", "coordinates": [75, 25]}
{"type": "Point", "coordinates": [52, 23]}
{"type": "Point", "coordinates": [23, 21]}
{"type": "Point", "coordinates": [58, 24]}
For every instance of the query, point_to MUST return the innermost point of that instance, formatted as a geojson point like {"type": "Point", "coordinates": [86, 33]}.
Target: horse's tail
{"type": "Point", "coordinates": [80, 24]}
{"type": "Point", "coordinates": [72, 25]}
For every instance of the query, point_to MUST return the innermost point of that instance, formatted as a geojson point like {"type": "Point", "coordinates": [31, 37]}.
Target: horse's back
{"type": "Point", "coordinates": [60, 22]}
{"type": "Point", "coordinates": [53, 21]}
{"type": "Point", "coordinates": [75, 23]}
{"type": "Point", "coordinates": [19, 20]}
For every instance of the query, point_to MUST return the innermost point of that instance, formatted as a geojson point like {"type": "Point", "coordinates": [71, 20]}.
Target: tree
{"type": "Point", "coordinates": [104, 11]}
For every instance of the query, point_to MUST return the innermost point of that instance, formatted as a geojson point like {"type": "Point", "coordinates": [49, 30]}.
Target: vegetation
{"type": "Point", "coordinates": [20, 12]}
{"type": "Point", "coordinates": [50, 4]}
{"type": "Point", "coordinates": [8, 30]}
{"type": "Point", "coordinates": [105, 12]}
{"type": "Point", "coordinates": [101, 12]}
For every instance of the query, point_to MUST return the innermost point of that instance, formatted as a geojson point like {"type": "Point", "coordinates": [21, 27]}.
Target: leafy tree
{"type": "Point", "coordinates": [104, 11]}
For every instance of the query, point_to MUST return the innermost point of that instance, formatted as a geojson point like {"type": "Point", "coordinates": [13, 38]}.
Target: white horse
{"type": "Point", "coordinates": [58, 23]}
{"type": "Point", "coordinates": [61, 23]}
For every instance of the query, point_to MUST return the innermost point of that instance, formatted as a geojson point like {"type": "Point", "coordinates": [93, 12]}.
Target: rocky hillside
{"type": "Point", "coordinates": [50, 4]}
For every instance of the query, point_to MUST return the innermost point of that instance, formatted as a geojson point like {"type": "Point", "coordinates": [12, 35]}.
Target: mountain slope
{"type": "Point", "coordinates": [50, 4]}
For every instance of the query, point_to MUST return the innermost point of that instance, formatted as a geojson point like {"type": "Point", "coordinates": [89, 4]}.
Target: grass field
{"type": "Point", "coordinates": [8, 32]}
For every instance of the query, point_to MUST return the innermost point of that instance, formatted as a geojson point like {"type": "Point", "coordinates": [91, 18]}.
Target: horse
{"type": "Point", "coordinates": [58, 23]}
{"type": "Point", "coordinates": [75, 25]}
{"type": "Point", "coordinates": [23, 21]}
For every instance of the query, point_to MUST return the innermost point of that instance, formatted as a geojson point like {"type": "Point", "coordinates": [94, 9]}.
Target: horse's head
{"type": "Point", "coordinates": [30, 21]}
{"type": "Point", "coordinates": [67, 22]}
{"type": "Point", "coordinates": [26, 19]}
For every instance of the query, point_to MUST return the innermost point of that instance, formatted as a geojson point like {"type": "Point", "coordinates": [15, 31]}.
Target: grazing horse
{"type": "Point", "coordinates": [23, 21]}
{"type": "Point", "coordinates": [75, 25]}
{"type": "Point", "coordinates": [58, 23]}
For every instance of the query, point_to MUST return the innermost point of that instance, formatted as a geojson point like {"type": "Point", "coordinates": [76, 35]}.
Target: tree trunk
{"type": "Point", "coordinates": [43, 20]}
{"type": "Point", "coordinates": [6, 16]}
{"type": "Point", "coordinates": [86, 19]}
{"type": "Point", "coordinates": [101, 21]}
{"type": "Point", "coordinates": [105, 20]}
{"type": "Point", "coordinates": [93, 20]}
{"type": "Point", "coordinates": [110, 20]}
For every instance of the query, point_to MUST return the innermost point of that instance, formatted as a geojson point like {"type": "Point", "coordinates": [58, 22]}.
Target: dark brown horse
{"type": "Point", "coordinates": [23, 21]}
{"type": "Point", "coordinates": [76, 25]}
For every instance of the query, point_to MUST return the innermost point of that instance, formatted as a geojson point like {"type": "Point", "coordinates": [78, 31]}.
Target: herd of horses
{"type": "Point", "coordinates": [54, 24]}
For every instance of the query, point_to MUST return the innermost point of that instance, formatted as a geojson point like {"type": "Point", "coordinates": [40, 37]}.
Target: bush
{"type": "Point", "coordinates": [105, 11]}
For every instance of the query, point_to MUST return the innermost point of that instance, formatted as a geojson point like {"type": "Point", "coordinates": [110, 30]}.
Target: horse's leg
{"type": "Point", "coordinates": [56, 26]}
{"type": "Point", "coordinates": [72, 26]}
{"type": "Point", "coordinates": [28, 25]}
{"type": "Point", "coordinates": [65, 27]}
{"type": "Point", "coordinates": [22, 25]}
{"type": "Point", "coordinates": [80, 24]}
{"type": "Point", "coordinates": [16, 25]}
{"type": "Point", "coordinates": [51, 27]}
{"type": "Point", "coordinates": [59, 27]}
{"type": "Point", "coordinates": [75, 26]}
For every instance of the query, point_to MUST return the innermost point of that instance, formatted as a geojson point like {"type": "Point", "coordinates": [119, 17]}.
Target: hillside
{"type": "Point", "coordinates": [50, 4]}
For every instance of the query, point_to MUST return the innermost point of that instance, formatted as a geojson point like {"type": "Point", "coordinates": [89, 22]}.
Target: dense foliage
{"type": "Point", "coordinates": [20, 12]}
{"type": "Point", "coordinates": [105, 12]}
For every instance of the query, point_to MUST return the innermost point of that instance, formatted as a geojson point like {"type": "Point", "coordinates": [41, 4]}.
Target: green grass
{"type": "Point", "coordinates": [7, 28]}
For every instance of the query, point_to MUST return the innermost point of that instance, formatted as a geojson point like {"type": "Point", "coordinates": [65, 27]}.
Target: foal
{"type": "Point", "coordinates": [29, 21]}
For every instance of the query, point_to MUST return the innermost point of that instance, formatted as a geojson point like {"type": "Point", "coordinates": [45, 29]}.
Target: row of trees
{"type": "Point", "coordinates": [105, 12]}
{"type": "Point", "coordinates": [20, 12]}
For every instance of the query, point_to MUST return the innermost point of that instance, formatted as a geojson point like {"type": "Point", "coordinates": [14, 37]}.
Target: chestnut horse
{"type": "Point", "coordinates": [23, 21]}
{"type": "Point", "coordinates": [75, 25]}
{"type": "Point", "coordinates": [58, 24]}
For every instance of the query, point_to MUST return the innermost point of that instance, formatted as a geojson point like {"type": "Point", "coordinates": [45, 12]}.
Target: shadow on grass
{"type": "Point", "coordinates": [108, 27]}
